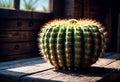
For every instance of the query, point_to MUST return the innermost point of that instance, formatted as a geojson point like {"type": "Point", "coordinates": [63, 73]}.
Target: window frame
{"type": "Point", "coordinates": [17, 5]}
{"type": "Point", "coordinates": [16, 13]}
{"type": "Point", "coordinates": [56, 8]}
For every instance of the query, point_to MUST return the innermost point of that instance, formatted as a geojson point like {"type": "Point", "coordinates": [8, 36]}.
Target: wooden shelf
{"type": "Point", "coordinates": [37, 70]}
{"type": "Point", "coordinates": [20, 14]}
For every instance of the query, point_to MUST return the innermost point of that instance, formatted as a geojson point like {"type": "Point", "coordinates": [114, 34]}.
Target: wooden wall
{"type": "Point", "coordinates": [118, 41]}
{"type": "Point", "coordinates": [19, 30]}
{"type": "Point", "coordinates": [18, 33]}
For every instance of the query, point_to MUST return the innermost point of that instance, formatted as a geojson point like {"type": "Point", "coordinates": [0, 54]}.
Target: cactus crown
{"type": "Point", "coordinates": [72, 44]}
{"type": "Point", "coordinates": [70, 22]}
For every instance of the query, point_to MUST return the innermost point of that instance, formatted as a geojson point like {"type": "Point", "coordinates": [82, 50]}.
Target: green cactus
{"type": "Point", "coordinates": [72, 44]}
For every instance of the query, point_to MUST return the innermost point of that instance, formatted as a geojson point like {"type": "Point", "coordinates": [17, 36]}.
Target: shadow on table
{"type": "Point", "coordinates": [91, 71]}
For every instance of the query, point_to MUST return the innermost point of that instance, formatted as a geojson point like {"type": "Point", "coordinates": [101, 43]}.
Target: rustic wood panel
{"type": "Point", "coordinates": [17, 36]}
{"type": "Point", "coordinates": [118, 35]}
{"type": "Point", "coordinates": [78, 9]}
{"type": "Point", "coordinates": [68, 8]}
{"type": "Point", "coordinates": [58, 8]}
{"type": "Point", "coordinates": [13, 24]}
{"type": "Point", "coordinates": [18, 14]}
{"type": "Point", "coordinates": [94, 9]}
{"type": "Point", "coordinates": [18, 32]}
{"type": "Point", "coordinates": [17, 48]}
{"type": "Point", "coordinates": [18, 56]}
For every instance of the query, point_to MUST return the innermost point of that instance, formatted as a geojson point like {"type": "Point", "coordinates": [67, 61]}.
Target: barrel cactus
{"type": "Point", "coordinates": [72, 44]}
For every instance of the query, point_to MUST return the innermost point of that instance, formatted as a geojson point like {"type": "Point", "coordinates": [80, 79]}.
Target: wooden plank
{"type": "Point", "coordinates": [58, 8]}
{"type": "Point", "coordinates": [93, 9]}
{"type": "Point", "coordinates": [111, 75]}
{"type": "Point", "coordinates": [107, 60]}
{"type": "Point", "coordinates": [15, 76]}
{"type": "Point", "coordinates": [66, 76]}
{"type": "Point", "coordinates": [84, 75]}
{"type": "Point", "coordinates": [20, 24]}
{"type": "Point", "coordinates": [18, 56]}
{"type": "Point", "coordinates": [118, 34]}
{"type": "Point", "coordinates": [16, 14]}
{"type": "Point", "coordinates": [17, 48]}
{"type": "Point", "coordinates": [114, 65]}
{"type": "Point", "coordinates": [18, 63]}
{"type": "Point", "coordinates": [17, 36]}
{"type": "Point", "coordinates": [54, 75]}
{"type": "Point", "coordinates": [15, 71]}
{"type": "Point", "coordinates": [13, 14]}
{"type": "Point", "coordinates": [104, 63]}
{"type": "Point", "coordinates": [78, 8]}
{"type": "Point", "coordinates": [95, 73]}
{"type": "Point", "coordinates": [114, 76]}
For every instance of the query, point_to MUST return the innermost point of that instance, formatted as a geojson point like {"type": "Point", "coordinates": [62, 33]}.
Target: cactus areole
{"type": "Point", "coordinates": [72, 44]}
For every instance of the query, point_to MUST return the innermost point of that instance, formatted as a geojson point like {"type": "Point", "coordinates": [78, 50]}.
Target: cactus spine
{"type": "Point", "coordinates": [72, 44]}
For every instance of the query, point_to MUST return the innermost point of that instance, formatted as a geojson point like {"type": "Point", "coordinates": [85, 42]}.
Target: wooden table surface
{"type": "Point", "coordinates": [37, 70]}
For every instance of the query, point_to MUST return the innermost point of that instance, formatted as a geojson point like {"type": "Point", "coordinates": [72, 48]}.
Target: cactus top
{"type": "Point", "coordinates": [74, 22]}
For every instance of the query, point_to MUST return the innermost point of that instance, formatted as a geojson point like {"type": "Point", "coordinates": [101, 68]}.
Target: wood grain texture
{"type": "Point", "coordinates": [17, 36]}
{"type": "Point", "coordinates": [78, 8]}
{"type": "Point", "coordinates": [18, 56]}
{"type": "Point", "coordinates": [17, 14]}
{"type": "Point", "coordinates": [102, 62]}
{"type": "Point", "coordinates": [20, 24]}
{"type": "Point", "coordinates": [19, 63]}
{"type": "Point", "coordinates": [17, 48]}
{"type": "Point", "coordinates": [38, 70]}
{"type": "Point", "coordinates": [14, 70]}
{"type": "Point", "coordinates": [98, 72]}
